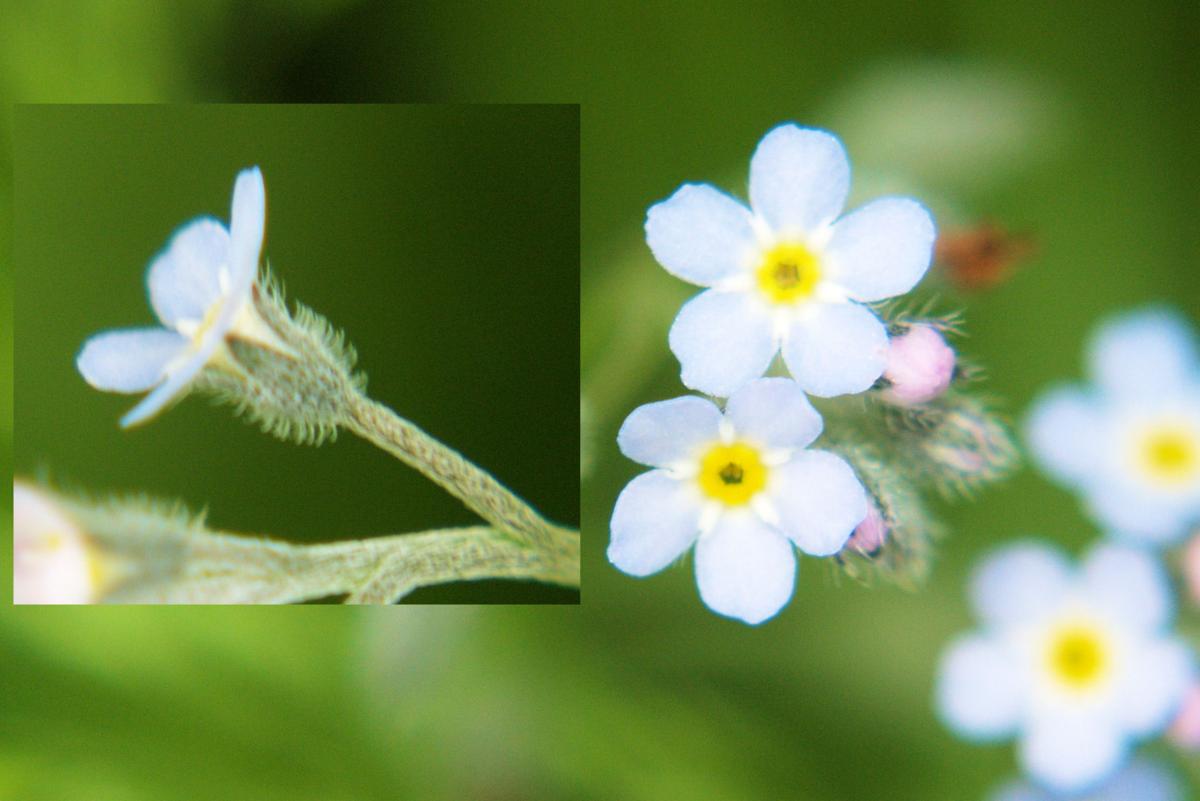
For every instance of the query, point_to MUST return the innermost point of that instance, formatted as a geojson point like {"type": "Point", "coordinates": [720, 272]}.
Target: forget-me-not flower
{"type": "Point", "coordinates": [1078, 664]}
{"type": "Point", "coordinates": [1142, 780]}
{"type": "Point", "coordinates": [786, 272]}
{"type": "Point", "coordinates": [200, 287]}
{"type": "Point", "coordinates": [741, 486]}
{"type": "Point", "coordinates": [54, 562]}
{"type": "Point", "coordinates": [1130, 443]}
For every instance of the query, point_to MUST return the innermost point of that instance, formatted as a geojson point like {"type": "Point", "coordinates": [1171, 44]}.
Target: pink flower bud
{"type": "Point", "coordinates": [1185, 731]}
{"type": "Point", "coordinates": [52, 558]}
{"type": "Point", "coordinates": [1191, 568]}
{"type": "Point", "coordinates": [870, 534]}
{"type": "Point", "coordinates": [920, 366]}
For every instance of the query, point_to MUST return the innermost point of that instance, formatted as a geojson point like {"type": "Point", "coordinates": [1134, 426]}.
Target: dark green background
{"type": "Point", "coordinates": [1086, 138]}
{"type": "Point", "coordinates": [442, 239]}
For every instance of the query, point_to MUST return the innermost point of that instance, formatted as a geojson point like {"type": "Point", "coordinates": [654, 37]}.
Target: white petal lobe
{"type": "Point", "coordinates": [775, 413]}
{"type": "Point", "coordinates": [655, 520]}
{"type": "Point", "coordinates": [799, 179]}
{"type": "Point", "coordinates": [744, 569]}
{"type": "Point", "coordinates": [130, 360]}
{"type": "Point", "coordinates": [836, 349]}
{"type": "Point", "coordinates": [1020, 583]}
{"type": "Point", "coordinates": [662, 433]}
{"type": "Point", "coordinates": [980, 692]}
{"type": "Point", "coordinates": [819, 501]}
{"type": "Point", "coordinates": [183, 280]}
{"type": "Point", "coordinates": [723, 340]}
{"type": "Point", "coordinates": [700, 234]}
{"type": "Point", "coordinates": [881, 250]}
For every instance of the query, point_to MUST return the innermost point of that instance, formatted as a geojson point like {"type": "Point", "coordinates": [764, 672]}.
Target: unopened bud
{"type": "Point", "coordinates": [920, 366]}
{"type": "Point", "coordinates": [870, 535]}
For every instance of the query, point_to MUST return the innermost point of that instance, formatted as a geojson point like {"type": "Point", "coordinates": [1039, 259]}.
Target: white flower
{"type": "Point", "coordinates": [1077, 664]}
{"type": "Point", "coordinates": [53, 560]}
{"type": "Point", "coordinates": [786, 274]}
{"type": "Point", "coordinates": [1131, 442]}
{"type": "Point", "coordinates": [1142, 780]}
{"type": "Point", "coordinates": [740, 486]}
{"type": "Point", "coordinates": [200, 288]}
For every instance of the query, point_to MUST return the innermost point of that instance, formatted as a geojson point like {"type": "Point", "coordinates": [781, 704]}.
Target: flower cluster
{"type": "Point", "coordinates": [791, 276]}
{"type": "Point", "coordinates": [1080, 665]}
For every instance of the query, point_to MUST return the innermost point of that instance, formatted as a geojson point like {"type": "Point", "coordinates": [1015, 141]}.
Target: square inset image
{"type": "Point", "coordinates": [271, 260]}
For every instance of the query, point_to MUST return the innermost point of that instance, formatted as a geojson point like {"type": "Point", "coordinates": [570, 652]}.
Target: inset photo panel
{"type": "Point", "coordinates": [296, 354]}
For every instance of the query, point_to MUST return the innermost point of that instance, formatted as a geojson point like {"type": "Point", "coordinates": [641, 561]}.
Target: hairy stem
{"type": "Point", "coordinates": [454, 473]}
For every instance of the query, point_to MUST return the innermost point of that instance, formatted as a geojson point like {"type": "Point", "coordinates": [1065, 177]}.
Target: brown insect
{"type": "Point", "coordinates": [981, 257]}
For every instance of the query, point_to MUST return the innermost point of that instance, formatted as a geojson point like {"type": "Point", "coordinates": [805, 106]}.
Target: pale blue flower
{"type": "Point", "coordinates": [200, 289]}
{"type": "Point", "coordinates": [786, 272]}
{"type": "Point", "coordinates": [741, 486]}
{"type": "Point", "coordinates": [1077, 664]}
{"type": "Point", "coordinates": [1142, 780]}
{"type": "Point", "coordinates": [1130, 442]}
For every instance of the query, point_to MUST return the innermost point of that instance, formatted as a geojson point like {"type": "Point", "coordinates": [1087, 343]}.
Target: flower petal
{"type": "Point", "coordinates": [819, 501]}
{"type": "Point", "coordinates": [662, 433]}
{"type": "Point", "coordinates": [723, 340]}
{"type": "Point", "coordinates": [1138, 516]}
{"type": "Point", "coordinates": [183, 279]}
{"type": "Point", "coordinates": [980, 692]}
{"type": "Point", "coordinates": [129, 360]}
{"type": "Point", "coordinates": [881, 250]}
{"type": "Point", "coordinates": [1019, 583]}
{"type": "Point", "coordinates": [52, 563]}
{"type": "Point", "coordinates": [700, 234]}
{"type": "Point", "coordinates": [1064, 431]}
{"type": "Point", "coordinates": [1071, 752]}
{"type": "Point", "coordinates": [1144, 354]}
{"type": "Point", "coordinates": [744, 569]}
{"type": "Point", "coordinates": [774, 412]}
{"type": "Point", "coordinates": [655, 520]}
{"type": "Point", "coordinates": [836, 349]}
{"type": "Point", "coordinates": [175, 386]}
{"type": "Point", "coordinates": [1155, 683]}
{"type": "Point", "coordinates": [247, 223]}
{"type": "Point", "coordinates": [799, 179]}
{"type": "Point", "coordinates": [1129, 585]}
{"type": "Point", "coordinates": [1144, 780]}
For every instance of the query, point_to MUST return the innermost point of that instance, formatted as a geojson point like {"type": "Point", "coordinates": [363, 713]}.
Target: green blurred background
{"type": "Point", "coordinates": [1074, 122]}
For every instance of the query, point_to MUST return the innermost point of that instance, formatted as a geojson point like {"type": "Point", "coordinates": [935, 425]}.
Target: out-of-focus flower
{"type": "Point", "coordinates": [1142, 780]}
{"type": "Point", "coordinates": [787, 273]}
{"type": "Point", "coordinates": [920, 366]}
{"type": "Point", "coordinates": [54, 561]}
{"type": "Point", "coordinates": [981, 257]}
{"type": "Point", "coordinates": [200, 288]}
{"type": "Point", "coordinates": [741, 486]}
{"type": "Point", "coordinates": [1185, 731]}
{"type": "Point", "coordinates": [1130, 444]}
{"type": "Point", "coordinates": [1077, 664]}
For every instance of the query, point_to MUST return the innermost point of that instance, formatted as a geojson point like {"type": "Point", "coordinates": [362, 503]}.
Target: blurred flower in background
{"type": "Point", "coordinates": [1130, 443]}
{"type": "Point", "coordinates": [54, 560]}
{"type": "Point", "coordinates": [1077, 664]}
{"type": "Point", "coordinates": [1142, 780]}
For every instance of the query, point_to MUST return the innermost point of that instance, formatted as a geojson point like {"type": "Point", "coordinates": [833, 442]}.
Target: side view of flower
{"type": "Point", "coordinates": [742, 486]}
{"type": "Point", "coordinates": [1130, 443]}
{"type": "Point", "coordinates": [200, 289]}
{"type": "Point", "coordinates": [1077, 663]}
{"type": "Point", "coordinates": [788, 273]}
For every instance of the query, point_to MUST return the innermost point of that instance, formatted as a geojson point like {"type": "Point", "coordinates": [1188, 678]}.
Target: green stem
{"type": "Point", "coordinates": [454, 473]}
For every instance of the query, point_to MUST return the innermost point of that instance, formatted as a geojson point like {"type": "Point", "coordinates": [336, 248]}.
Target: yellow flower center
{"type": "Point", "coordinates": [1171, 454]}
{"type": "Point", "coordinates": [1078, 656]}
{"type": "Point", "coordinates": [732, 474]}
{"type": "Point", "coordinates": [788, 273]}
